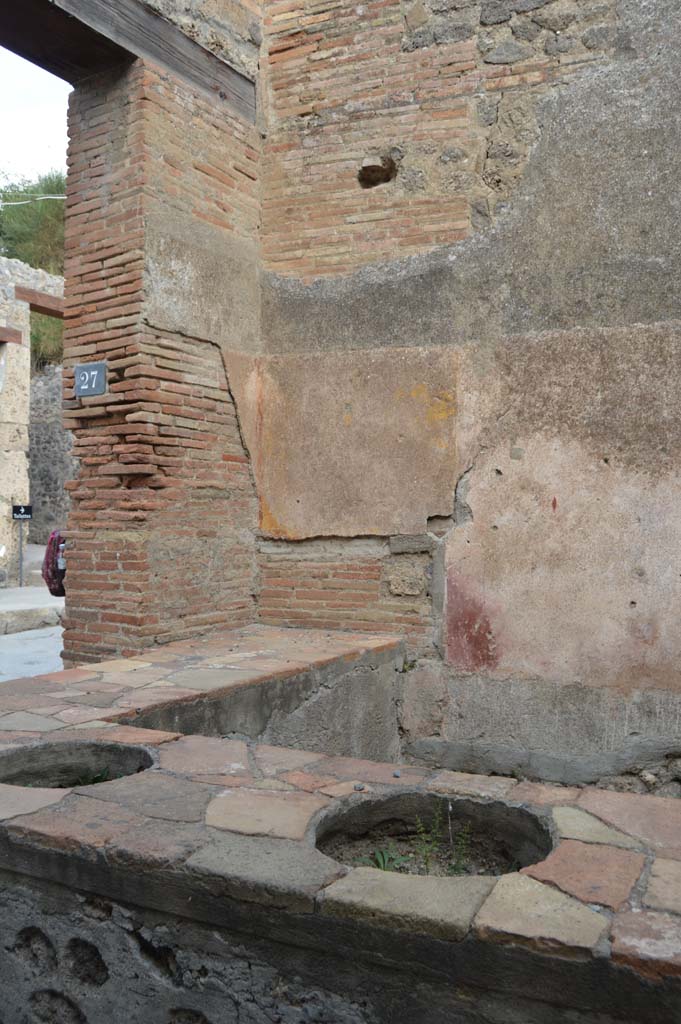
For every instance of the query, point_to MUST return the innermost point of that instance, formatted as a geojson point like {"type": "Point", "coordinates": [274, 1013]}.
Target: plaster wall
{"type": "Point", "coordinates": [553, 330]}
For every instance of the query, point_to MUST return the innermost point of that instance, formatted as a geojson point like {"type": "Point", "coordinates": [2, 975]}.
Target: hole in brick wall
{"type": "Point", "coordinates": [62, 765]}
{"type": "Point", "coordinates": [422, 834]}
{"type": "Point", "coordinates": [377, 170]}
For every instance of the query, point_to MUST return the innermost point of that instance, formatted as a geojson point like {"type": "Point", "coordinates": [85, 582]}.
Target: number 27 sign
{"type": "Point", "coordinates": [90, 379]}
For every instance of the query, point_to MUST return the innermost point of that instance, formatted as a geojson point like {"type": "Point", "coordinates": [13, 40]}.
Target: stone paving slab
{"type": "Point", "coordinates": [442, 907]}
{"type": "Point", "coordinates": [24, 608]}
{"type": "Point", "coordinates": [521, 909]}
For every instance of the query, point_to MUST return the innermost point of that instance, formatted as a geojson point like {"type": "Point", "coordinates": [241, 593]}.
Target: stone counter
{"type": "Point", "coordinates": [192, 891]}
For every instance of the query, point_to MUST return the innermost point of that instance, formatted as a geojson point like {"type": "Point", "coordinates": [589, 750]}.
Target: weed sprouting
{"type": "Point", "coordinates": [385, 860]}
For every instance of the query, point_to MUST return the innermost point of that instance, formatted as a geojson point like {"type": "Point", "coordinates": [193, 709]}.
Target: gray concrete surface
{"type": "Point", "coordinates": [30, 653]}
{"type": "Point", "coordinates": [25, 608]}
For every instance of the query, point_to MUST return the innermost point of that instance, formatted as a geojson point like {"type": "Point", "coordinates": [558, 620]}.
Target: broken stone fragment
{"type": "Point", "coordinates": [416, 16]}
{"type": "Point", "coordinates": [557, 44]}
{"type": "Point", "coordinates": [600, 37]}
{"type": "Point", "coordinates": [508, 52]}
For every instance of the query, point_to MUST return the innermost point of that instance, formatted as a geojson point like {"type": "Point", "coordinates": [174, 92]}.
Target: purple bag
{"type": "Point", "coordinates": [52, 574]}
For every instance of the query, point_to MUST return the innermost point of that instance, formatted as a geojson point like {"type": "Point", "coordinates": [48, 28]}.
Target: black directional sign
{"type": "Point", "coordinates": [22, 512]}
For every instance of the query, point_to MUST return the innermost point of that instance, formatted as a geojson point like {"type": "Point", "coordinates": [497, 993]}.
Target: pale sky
{"type": "Point", "coordinates": [32, 119]}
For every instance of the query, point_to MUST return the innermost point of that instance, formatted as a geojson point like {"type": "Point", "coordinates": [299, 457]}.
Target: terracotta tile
{"type": "Point", "coordinates": [77, 823]}
{"type": "Point", "coordinates": [307, 781]}
{"type": "Point", "coordinates": [206, 755]}
{"type": "Point", "coordinates": [69, 675]}
{"type": "Point", "coordinates": [341, 789]}
{"type": "Point", "coordinates": [18, 800]}
{"type": "Point", "coordinates": [594, 874]}
{"type": "Point", "coordinates": [12, 738]}
{"type": "Point", "coordinates": [272, 760]}
{"type": "Point", "coordinates": [153, 697]}
{"type": "Point", "coordinates": [656, 820]}
{"type": "Point", "coordinates": [259, 813]}
{"type": "Point", "coordinates": [541, 795]}
{"type": "Point", "coordinates": [119, 734]}
{"type": "Point", "coordinates": [648, 941]}
{"type": "Point", "coordinates": [473, 785]}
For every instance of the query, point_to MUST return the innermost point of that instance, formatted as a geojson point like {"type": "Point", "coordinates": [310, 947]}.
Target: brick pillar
{"type": "Point", "coordinates": [163, 514]}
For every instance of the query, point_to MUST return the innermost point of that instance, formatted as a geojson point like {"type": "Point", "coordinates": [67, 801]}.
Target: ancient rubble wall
{"type": "Point", "coordinates": [51, 464]}
{"type": "Point", "coordinates": [449, 91]}
{"type": "Point", "coordinates": [231, 29]}
{"type": "Point", "coordinates": [15, 384]}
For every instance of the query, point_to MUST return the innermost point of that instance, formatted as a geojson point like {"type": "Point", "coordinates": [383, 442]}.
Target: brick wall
{"type": "Point", "coordinates": [347, 584]}
{"type": "Point", "coordinates": [161, 531]}
{"type": "Point", "coordinates": [450, 90]}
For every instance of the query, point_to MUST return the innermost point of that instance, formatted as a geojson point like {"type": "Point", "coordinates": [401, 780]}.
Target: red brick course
{"type": "Point", "coordinates": [160, 536]}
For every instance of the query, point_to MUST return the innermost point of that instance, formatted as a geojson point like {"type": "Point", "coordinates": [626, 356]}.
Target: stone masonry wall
{"type": "Point", "coordinates": [231, 29]}
{"type": "Point", "coordinates": [15, 382]}
{"type": "Point", "coordinates": [51, 463]}
{"type": "Point", "coordinates": [446, 91]}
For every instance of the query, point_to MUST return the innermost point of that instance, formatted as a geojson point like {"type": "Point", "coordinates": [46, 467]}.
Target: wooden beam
{"type": "Point", "coordinates": [77, 38]}
{"type": "Point", "coordinates": [11, 335]}
{"type": "Point", "coordinates": [40, 302]}
{"type": "Point", "coordinates": [52, 39]}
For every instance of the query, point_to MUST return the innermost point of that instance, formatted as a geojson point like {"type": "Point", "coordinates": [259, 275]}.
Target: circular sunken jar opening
{"type": "Point", "coordinates": [62, 765]}
{"type": "Point", "coordinates": [426, 834]}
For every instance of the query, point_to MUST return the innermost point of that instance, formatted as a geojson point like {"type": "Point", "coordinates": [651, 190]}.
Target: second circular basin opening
{"type": "Point", "coordinates": [427, 834]}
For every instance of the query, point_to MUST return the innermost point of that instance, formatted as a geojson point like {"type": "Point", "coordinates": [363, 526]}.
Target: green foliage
{"type": "Point", "coordinates": [384, 860]}
{"type": "Point", "coordinates": [462, 851]}
{"type": "Point", "coordinates": [34, 234]}
{"type": "Point", "coordinates": [428, 840]}
{"type": "Point", "coordinates": [47, 340]}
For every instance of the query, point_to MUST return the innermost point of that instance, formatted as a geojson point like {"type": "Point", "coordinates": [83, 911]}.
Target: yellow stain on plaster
{"type": "Point", "coordinates": [439, 407]}
{"type": "Point", "coordinates": [268, 521]}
